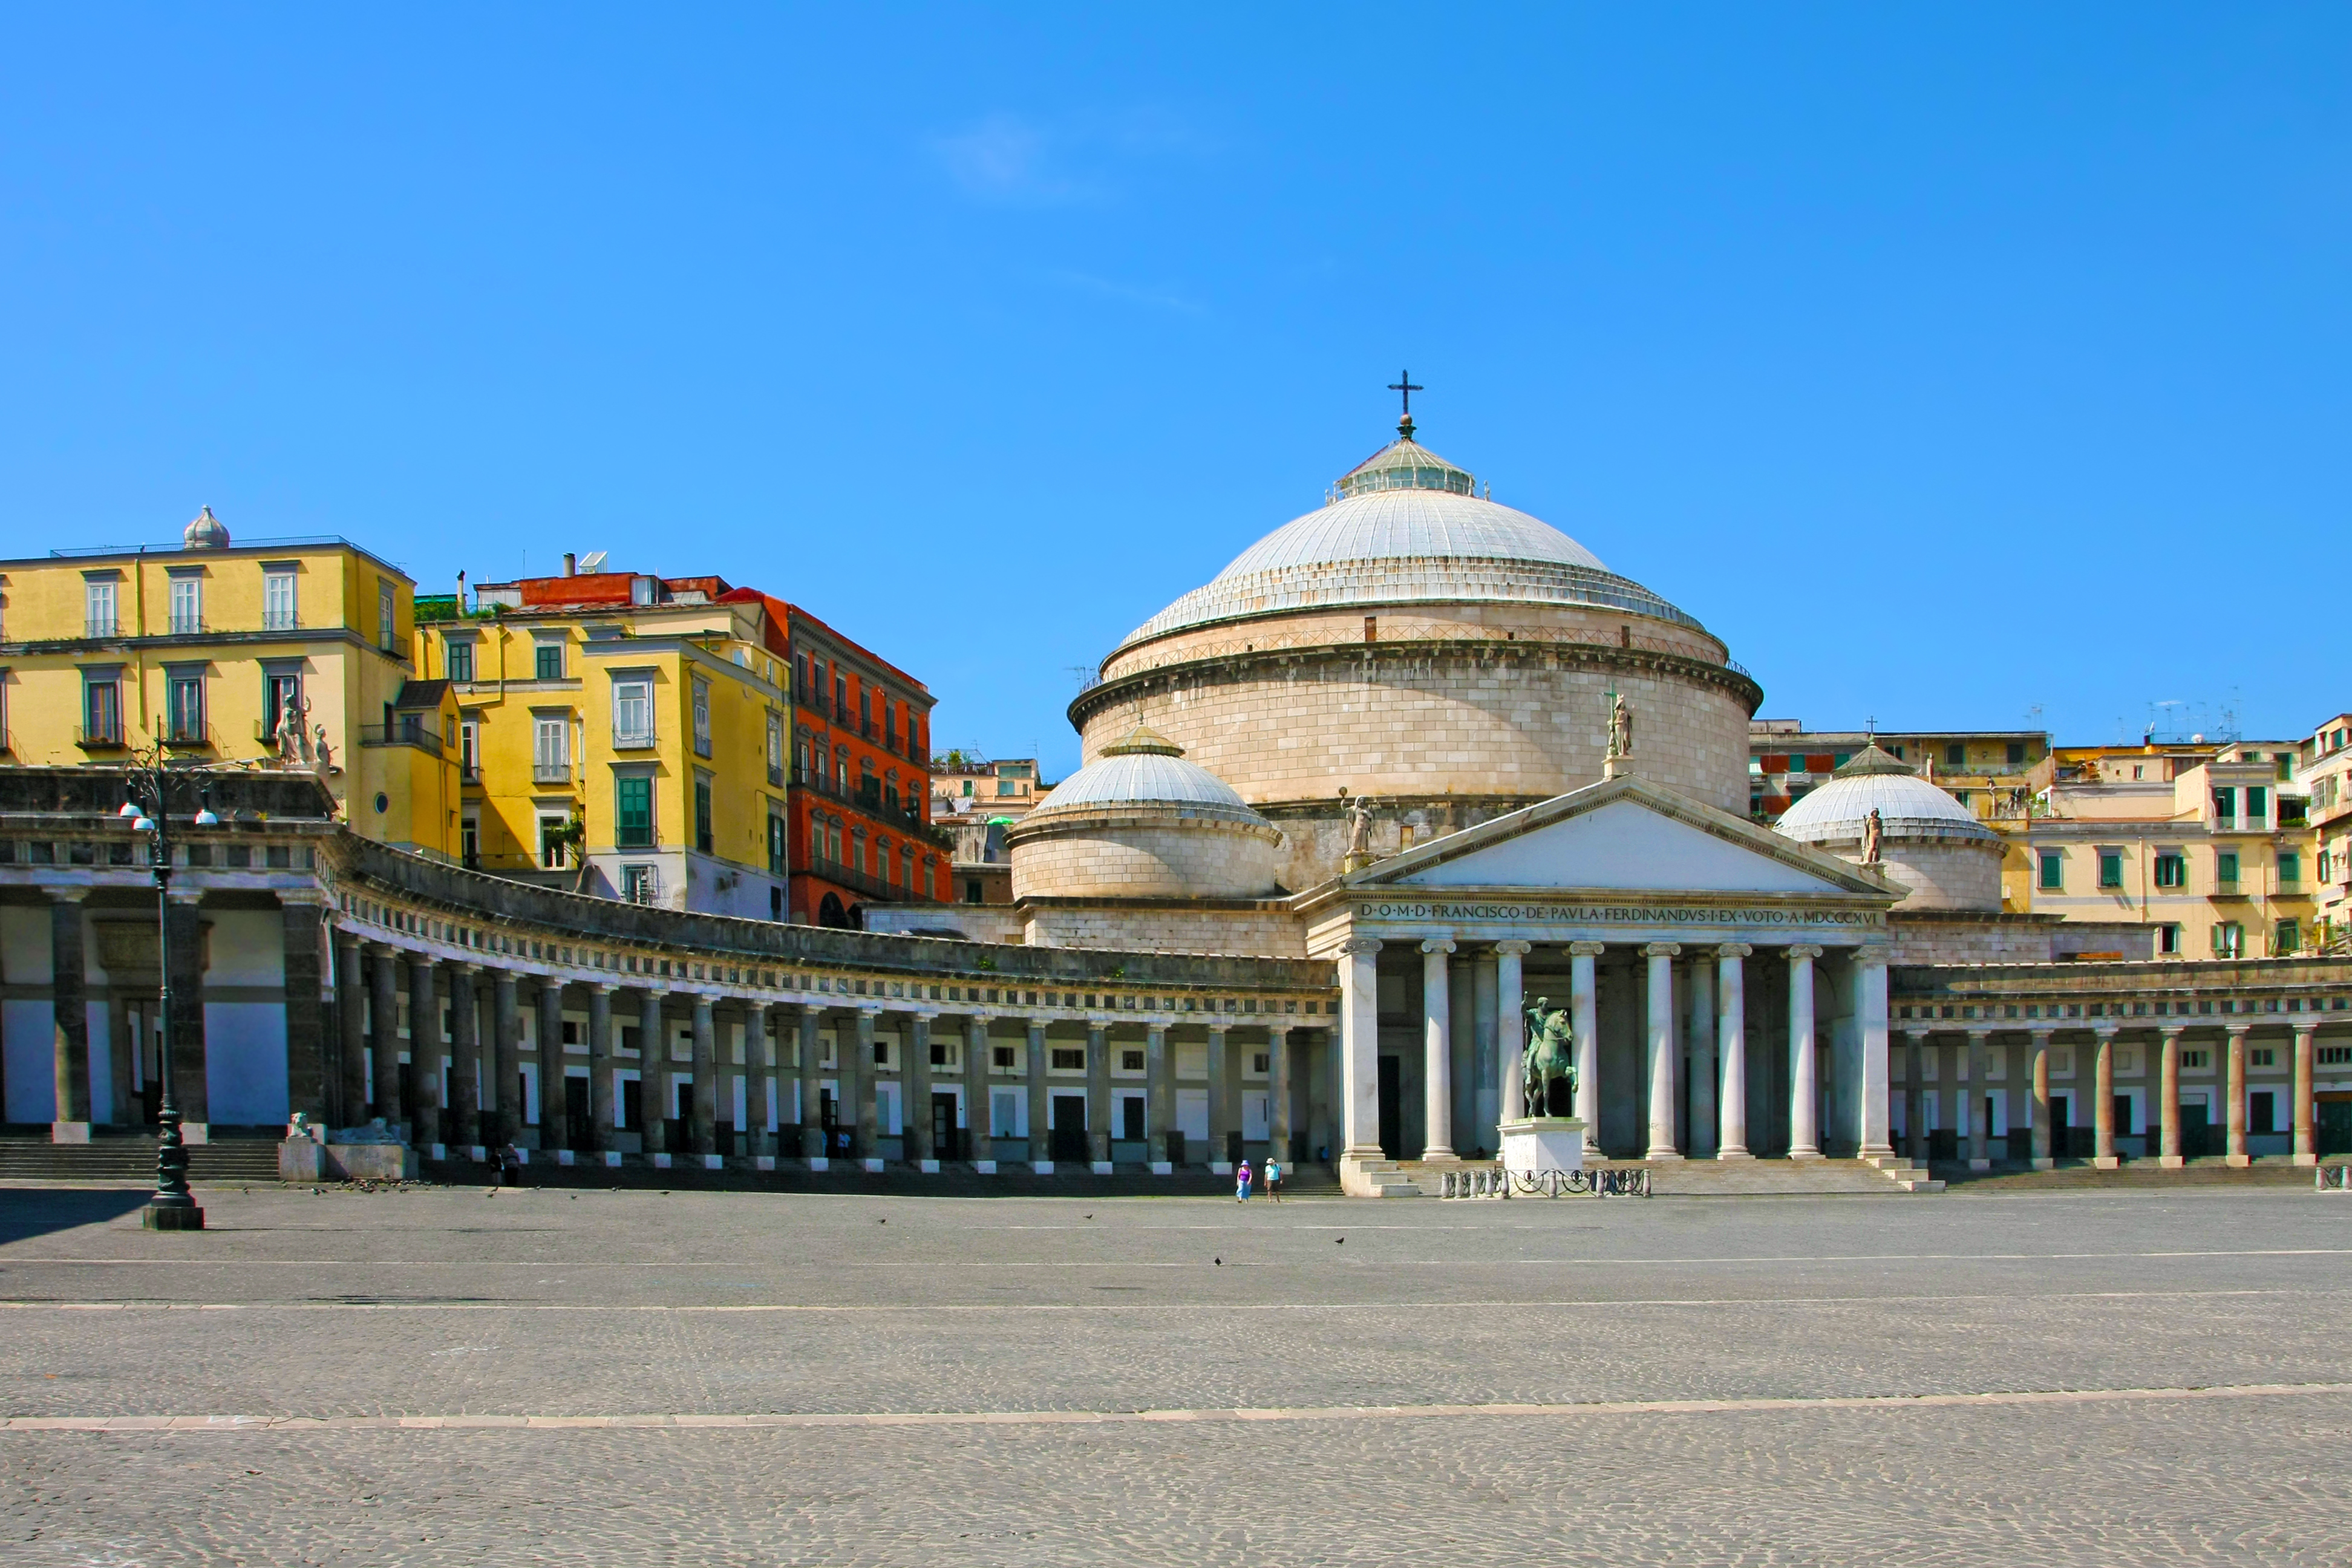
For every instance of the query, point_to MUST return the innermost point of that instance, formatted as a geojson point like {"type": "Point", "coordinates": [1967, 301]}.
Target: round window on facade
{"type": "Point", "coordinates": [382, 803]}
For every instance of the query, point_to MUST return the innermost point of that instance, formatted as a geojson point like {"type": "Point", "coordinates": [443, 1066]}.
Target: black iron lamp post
{"type": "Point", "coordinates": [153, 786]}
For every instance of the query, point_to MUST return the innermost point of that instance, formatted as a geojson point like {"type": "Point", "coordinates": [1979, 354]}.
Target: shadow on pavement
{"type": "Point", "coordinates": [29, 1212]}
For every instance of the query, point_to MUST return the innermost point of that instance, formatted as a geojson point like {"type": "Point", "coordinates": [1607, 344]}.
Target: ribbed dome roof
{"type": "Point", "coordinates": [1407, 529]}
{"type": "Point", "coordinates": [1144, 769]}
{"type": "Point", "coordinates": [1906, 804]}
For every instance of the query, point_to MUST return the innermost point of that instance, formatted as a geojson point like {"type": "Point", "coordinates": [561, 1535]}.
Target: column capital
{"type": "Point", "coordinates": [2239, 1028]}
{"type": "Point", "coordinates": [1803, 951]}
{"type": "Point", "coordinates": [2042, 1032]}
{"type": "Point", "coordinates": [305, 898]}
{"type": "Point", "coordinates": [1913, 1033]}
{"type": "Point", "coordinates": [609, 987]}
{"type": "Point", "coordinates": [73, 894]}
{"type": "Point", "coordinates": [1437, 944]}
{"type": "Point", "coordinates": [1360, 946]}
{"type": "Point", "coordinates": [1873, 953]}
{"type": "Point", "coordinates": [1279, 1028]}
{"type": "Point", "coordinates": [2107, 1029]}
{"type": "Point", "coordinates": [2304, 1025]}
{"type": "Point", "coordinates": [1587, 949]}
{"type": "Point", "coordinates": [504, 978]}
{"type": "Point", "coordinates": [2172, 1031]}
{"type": "Point", "coordinates": [1979, 1033]}
{"type": "Point", "coordinates": [420, 959]}
{"type": "Point", "coordinates": [1219, 1026]}
{"type": "Point", "coordinates": [1517, 949]}
{"type": "Point", "coordinates": [1734, 950]}
{"type": "Point", "coordinates": [1661, 950]}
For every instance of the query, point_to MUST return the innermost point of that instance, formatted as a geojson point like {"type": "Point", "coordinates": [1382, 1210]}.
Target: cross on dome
{"type": "Point", "coordinates": [1403, 384]}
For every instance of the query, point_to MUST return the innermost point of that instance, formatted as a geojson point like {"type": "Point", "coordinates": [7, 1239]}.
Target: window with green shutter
{"type": "Point", "coordinates": [632, 811]}
{"type": "Point", "coordinates": [2111, 868]}
{"type": "Point", "coordinates": [2053, 871]}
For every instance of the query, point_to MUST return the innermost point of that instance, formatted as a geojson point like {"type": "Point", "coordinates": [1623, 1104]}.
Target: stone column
{"type": "Point", "coordinates": [383, 1030]}
{"type": "Point", "coordinates": [1158, 1101]}
{"type": "Point", "coordinates": [2168, 1156]}
{"type": "Point", "coordinates": [653, 1075]}
{"type": "Point", "coordinates": [1510, 1034]}
{"type": "Point", "coordinates": [915, 1088]}
{"type": "Point", "coordinates": [2235, 1111]}
{"type": "Point", "coordinates": [1701, 1134]}
{"type": "Point", "coordinates": [301, 919]}
{"type": "Point", "coordinates": [1805, 1076]}
{"type": "Point", "coordinates": [1038, 1058]}
{"type": "Point", "coordinates": [1731, 1049]}
{"type": "Point", "coordinates": [2042, 1158]}
{"type": "Point", "coordinates": [70, 1017]}
{"type": "Point", "coordinates": [2306, 1143]}
{"type": "Point", "coordinates": [547, 1045]}
{"type": "Point", "coordinates": [1219, 1121]}
{"type": "Point", "coordinates": [1437, 1047]}
{"type": "Point", "coordinates": [1278, 1074]}
{"type": "Point", "coordinates": [465, 1130]}
{"type": "Point", "coordinates": [1098, 1096]}
{"type": "Point", "coordinates": [1477, 995]}
{"type": "Point", "coordinates": [869, 1111]}
{"type": "Point", "coordinates": [602, 1065]}
{"type": "Point", "coordinates": [1979, 1158]}
{"type": "Point", "coordinates": [350, 1019]}
{"type": "Point", "coordinates": [702, 1125]}
{"type": "Point", "coordinates": [1876, 1144]}
{"type": "Point", "coordinates": [184, 952]}
{"type": "Point", "coordinates": [811, 1053]}
{"type": "Point", "coordinates": [978, 1086]}
{"type": "Point", "coordinates": [1663, 1050]}
{"type": "Point", "coordinates": [1584, 1026]}
{"type": "Point", "coordinates": [506, 1049]}
{"type": "Point", "coordinates": [2103, 1105]}
{"type": "Point", "coordinates": [425, 1050]}
{"type": "Point", "coordinates": [1360, 1045]}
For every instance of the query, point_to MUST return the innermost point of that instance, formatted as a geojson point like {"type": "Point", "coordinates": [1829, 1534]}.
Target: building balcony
{"type": "Point", "coordinates": [94, 627]}
{"type": "Point", "coordinates": [192, 737]}
{"type": "Point", "coordinates": [188, 626]}
{"type": "Point", "coordinates": [107, 738]}
{"type": "Point", "coordinates": [873, 887]}
{"type": "Point", "coordinates": [280, 621]}
{"type": "Point", "coordinates": [551, 773]}
{"type": "Point", "coordinates": [775, 776]}
{"type": "Point", "coordinates": [407, 733]}
{"type": "Point", "coordinates": [633, 741]}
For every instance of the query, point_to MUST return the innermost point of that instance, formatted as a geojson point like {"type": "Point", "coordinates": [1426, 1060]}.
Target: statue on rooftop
{"type": "Point", "coordinates": [1621, 726]}
{"type": "Point", "coordinates": [1874, 827]}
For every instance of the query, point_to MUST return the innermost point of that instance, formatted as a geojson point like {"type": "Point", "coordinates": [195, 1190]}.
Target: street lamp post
{"type": "Point", "coordinates": [151, 783]}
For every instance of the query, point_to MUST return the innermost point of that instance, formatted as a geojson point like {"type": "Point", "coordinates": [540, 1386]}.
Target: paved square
{"type": "Point", "coordinates": [594, 1377]}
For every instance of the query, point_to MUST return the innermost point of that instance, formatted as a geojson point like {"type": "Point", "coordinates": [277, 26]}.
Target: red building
{"type": "Point", "coordinates": [860, 794]}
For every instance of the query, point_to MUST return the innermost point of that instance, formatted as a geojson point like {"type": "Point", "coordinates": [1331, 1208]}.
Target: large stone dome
{"type": "Point", "coordinates": [1406, 526]}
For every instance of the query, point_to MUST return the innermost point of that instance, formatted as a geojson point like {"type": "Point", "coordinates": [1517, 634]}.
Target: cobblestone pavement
{"type": "Point", "coordinates": [1291, 1354]}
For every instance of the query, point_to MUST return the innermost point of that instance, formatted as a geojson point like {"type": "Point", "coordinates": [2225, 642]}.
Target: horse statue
{"type": "Point", "coordinates": [1550, 1054]}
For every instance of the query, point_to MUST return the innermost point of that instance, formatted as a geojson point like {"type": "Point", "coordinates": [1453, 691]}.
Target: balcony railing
{"type": "Point", "coordinates": [407, 733]}
{"type": "Point", "coordinates": [280, 621]}
{"type": "Point", "coordinates": [188, 736]}
{"type": "Point", "coordinates": [775, 774]}
{"type": "Point", "coordinates": [633, 740]}
{"type": "Point", "coordinates": [551, 773]}
{"type": "Point", "coordinates": [97, 626]}
{"type": "Point", "coordinates": [872, 887]}
{"type": "Point", "coordinates": [100, 739]}
{"type": "Point", "coordinates": [188, 626]}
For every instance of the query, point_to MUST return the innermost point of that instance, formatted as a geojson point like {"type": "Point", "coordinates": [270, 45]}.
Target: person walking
{"type": "Point", "coordinates": [1242, 1181]}
{"type": "Point", "coordinates": [1273, 1178]}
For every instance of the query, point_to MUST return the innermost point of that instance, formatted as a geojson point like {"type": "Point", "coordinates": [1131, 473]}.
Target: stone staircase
{"type": "Point", "coordinates": [131, 1161]}
{"type": "Point", "coordinates": [1701, 1178]}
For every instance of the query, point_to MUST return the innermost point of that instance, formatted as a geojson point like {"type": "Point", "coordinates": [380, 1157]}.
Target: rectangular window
{"type": "Point", "coordinates": [551, 749]}
{"type": "Point", "coordinates": [2111, 868]}
{"type": "Point", "coordinates": [555, 842]}
{"type": "Point", "coordinates": [184, 706]}
{"type": "Point", "coordinates": [2286, 937]}
{"type": "Point", "coordinates": [801, 679]}
{"type": "Point", "coordinates": [279, 687]}
{"type": "Point", "coordinates": [776, 842]}
{"type": "Point", "coordinates": [1069, 1059]}
{"type": "Point", "coordinates": [388, 624]}
{"type": "Point", "coordinates": [1956, 755]}
{"type": "Point", "coordinates": [2167, 941]}
{"type": "Point", "coordinates": [2229, 939]}
{"type": "Point", "coordinates": [460, 659]}
{"type": "Point", "coordinates": [702, 833]}
{"type": "Point", "coordinates": [633, 713]}
{"type": "Point", "coordinates": [187, 606]}
{"type": "Point", "coordinates": [470, 748]}
{"type": "Point", "coordinates": [891, 723]}
{"type": "Point", "coordinates": [101, 718]}
{"type": "Point", "coordinates": [469, 842]}
{"type": "Point", "coordinates": [2225, 868]}
{"type": "Point", "coordinates": [2290, 865]}
{"type": "Point", "coordinates": [775, 748]}
{"type": "Point", "coordinates": [632, 811]}
{"type": "Point", "coordinates": [2225, 804]}
{"type": "Point", "coordinates": [640, 885]}
{"type": "Point", "coordinates": [2016, 752]}
{"type": "Point", "coordinates": [2258, 803]}
{"type": "Point", "coordinates": [547, 661]}
{"type": "Point", "coordinates": [2172, 868]}
{"type": "Point", "coordinates": [702, 718]}
{"type": "Point", "coordinates": [279, 613]}
{"type": "Point", "coordinates": [97, 606]}
{"type": "Point", "coordinates": [2053, 871]}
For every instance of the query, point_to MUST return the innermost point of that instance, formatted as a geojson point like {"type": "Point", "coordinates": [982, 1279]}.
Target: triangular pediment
{"type": "Point", "coordinates": [1624, 834]}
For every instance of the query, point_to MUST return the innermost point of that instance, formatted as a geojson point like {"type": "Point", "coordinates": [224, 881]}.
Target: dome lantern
{"type": "Point", "coordinates": [205, 533]}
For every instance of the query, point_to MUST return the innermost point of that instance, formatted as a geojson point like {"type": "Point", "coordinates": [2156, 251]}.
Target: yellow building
{"type": "Point", "coordinates": [209, 650]}
{"type": "Point", "coordinates": [2211, 846]}
{"type": "Point", "coordinates": [620, 734]}
{"type": "Point", "coordinates": [2324, 775]}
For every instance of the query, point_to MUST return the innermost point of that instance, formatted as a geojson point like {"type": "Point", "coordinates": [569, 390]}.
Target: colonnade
{"type": "Point", "coordinates": [1713, 1050]}
{"type": "Point", "coordinates": [784, 1065]}
{"type": "Point", "coordinates": [1980, 1047]}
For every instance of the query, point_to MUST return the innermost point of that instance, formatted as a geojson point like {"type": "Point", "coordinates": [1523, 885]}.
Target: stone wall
{"type": "Point", "coordinates": [1271, 932]}
{"type": "Point", "coordinates": [1942, 873]}
{"type": "Point", "coordinates": [1396, 719]}
{"type": "Point", "coordinates": [1142, 854]}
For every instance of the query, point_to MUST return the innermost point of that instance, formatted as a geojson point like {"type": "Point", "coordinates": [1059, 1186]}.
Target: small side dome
{"type": "Point", "coordinates": [207, 533]}
{"type": "Point", "coordinates": [1140, 822]}
{"type": "Point", "coordinates": [1929, 845]}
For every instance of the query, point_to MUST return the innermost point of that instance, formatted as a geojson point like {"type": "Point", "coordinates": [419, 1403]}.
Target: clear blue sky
{"type": "Point", "coordinates": [1950, 366]}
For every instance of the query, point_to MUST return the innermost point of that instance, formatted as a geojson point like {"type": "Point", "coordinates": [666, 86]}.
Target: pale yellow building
{"type": "Point", "coordinates": [2324, 775]}
{"type": "Point", "coordinates": [205, 650]}
{"type": "Point", "coordinates": [620, 734]}
{"type": "Point", "coordinates": [2213, 850]}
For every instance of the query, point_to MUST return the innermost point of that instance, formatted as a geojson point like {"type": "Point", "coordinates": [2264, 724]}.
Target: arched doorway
{"type": "Point", "coordinates": [831, 913]}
